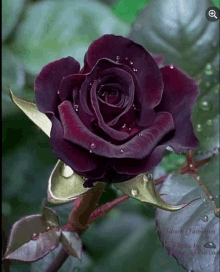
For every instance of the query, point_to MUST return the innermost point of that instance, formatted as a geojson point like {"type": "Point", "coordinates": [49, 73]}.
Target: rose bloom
{"type": "Point", "coordinates": [114, 118]}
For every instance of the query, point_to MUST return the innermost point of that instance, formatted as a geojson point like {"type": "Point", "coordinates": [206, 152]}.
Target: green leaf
{"type": "Point", "coordinates": [206, 112]}
{"type": "Point", "coordinates": [191, 234]}
{"type": "Point", "coordinates": [13, 75]}
{"type": "Point", "coordinates": [180, 31]}
{"type": "Point", "coordinates": [210, 176]}
{"type": "Point", "coordinates": [64, 185]}
{"type": "Point", "coordinates": [216, 2]}
{"type": "Point", "coordinates": [142, 188]}
{"type": "Point", "coordinates": [127, 10]}
{"type": "Point", "coordinates": [11, 10]}
{"type": "Point", "coordinates": [31, 239]}
{"type": "Point", "coordinates": [53, 30]}
{"type": "Point", "coordinates": [30, 109]}
{"type": "Point", "coordinates": [72, 244]}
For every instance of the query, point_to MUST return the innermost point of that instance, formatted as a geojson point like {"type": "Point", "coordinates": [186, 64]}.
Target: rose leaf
{"type": "Point", "coordinates": [191, 234]}
{"type": "Point", "coordinates": [11, 10]}
{"type": "Point", "coordinates": [72, 244]}
{"type": "Point", "coordinates": [178, 30]}
{"type": "Point", "coordinates": [142, 188]}
{"type": "Point", "coordinates": [58, 29]}
{"type": "Point", "coordinates": [13, 75]}
{"type": "Point", "coordinates": [30, 109]}
{"type": "Point", "coordinates": [50, 215]}
{"type": "Point", "coordinates": [64, 185]}
{"type": "Point", "coordinates": [31, 239]}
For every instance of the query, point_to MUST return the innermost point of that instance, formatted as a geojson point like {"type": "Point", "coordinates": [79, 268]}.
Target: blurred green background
{"type": "Point", "coordinates": [36, 32]}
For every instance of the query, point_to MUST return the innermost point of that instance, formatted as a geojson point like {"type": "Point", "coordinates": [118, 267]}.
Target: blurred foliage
{"type": "Point", "coordinates": [38, 31]}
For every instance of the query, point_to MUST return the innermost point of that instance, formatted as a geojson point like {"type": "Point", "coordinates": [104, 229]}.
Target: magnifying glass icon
{"type": "Point", "coordinates": [212, 13]}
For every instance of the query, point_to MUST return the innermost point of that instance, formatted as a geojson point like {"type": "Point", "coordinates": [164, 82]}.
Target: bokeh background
{"type": "Point", "coordinates": [36, 32]}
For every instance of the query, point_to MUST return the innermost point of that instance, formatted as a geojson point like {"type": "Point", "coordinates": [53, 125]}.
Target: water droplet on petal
{"type": "Point", "coordinates": [48, 228]}
{"type": "Point", "coordinates": [199, 128]}
{"type": "Point", "coordinates": [208, 69]}
{"type": "Point", "coordinates": [92, 146]}
{"type": "Point", "coordinates": [76, 107]}
{"type": "Point", "coordinates": [124, 125]}
{"type": "Point", "coordinates": [171, 66]}
{"type": "Point", "coordinates": [58, 92]}
{"type": "Point", "coordinates": [126, 58]}
{"type": "Point", "coordinates": [90, 84]}
{"type": "Point", "coordinates": [122, 150]}
{"type": "Point", "coordinates": [205, 105]}
{"type": "Point", "coordinates": [205, 218]}
{"type": "Point", "coordinates": [140, 134]}
{"type": "Point", "coordinates": [90, 151]}
{"type": "Point", "coordinates": [210, 245]}
{"type": "Point", "coordinates": [134, 192]}
{"type": "Point", "coordinates": [129, 129]}
{"type": "Point", "coordinates": [66, 171]}
{"type": "Point", "coordinates": [131, 62]}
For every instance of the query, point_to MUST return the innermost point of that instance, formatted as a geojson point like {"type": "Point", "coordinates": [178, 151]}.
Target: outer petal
{"type": "Point", "coordinates": [180, 93]}
{"type": "Point", "coordinates": [147, 71]}
{"type": "Point", "coordinates": [138, 147]}
{"type": "Point", "coordinates": [79, 159]}
{"type": "Point", "coordinates": [68, 84]}
{"type": "Point", "coordinates": [48, 81]}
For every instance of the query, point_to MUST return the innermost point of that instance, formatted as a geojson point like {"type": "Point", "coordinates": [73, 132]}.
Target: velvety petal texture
{"type": "Point", "coordinates": [114, 118]}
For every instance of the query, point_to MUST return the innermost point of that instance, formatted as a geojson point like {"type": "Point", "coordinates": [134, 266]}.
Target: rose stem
{"type": "Point", "coordinates": [78, 219]}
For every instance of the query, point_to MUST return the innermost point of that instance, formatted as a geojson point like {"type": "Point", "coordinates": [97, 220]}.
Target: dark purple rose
{"type": "Point", "coordinates": [113, 119]}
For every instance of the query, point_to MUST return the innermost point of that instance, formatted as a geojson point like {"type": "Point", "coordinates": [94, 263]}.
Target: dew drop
{"type": "Point", "coordinates": [131, 62]}
{"type": "Point", "coordinates": [140, 134]}
{"type": "Point", "coordinates": [122, 150]}
{"type": "Point", "coordinates": [171, 66]}
{"type": "Point", "coordinates": [211, 197]}
{"type": "Point", "coordinates": [217, 212]}
{"type": "Point", "coordinates": [208, 69]}
{"type": "Point", "coordinates": [126, 58]}
{"type": "Point", "coordinates": [210, 245]}
{"type": "Point", "coordinates": [129, 129]}
{"type": "Point", "coordinates": [90, 84]}
{"type": "Point", "coordinates": [66, 171]}
{"type": "Point", "coordinates": [205, 218]}
{"type": "Point", "coordinates": [198, 128]}
{"type": "Point", "coordinates": [216, 150]}
{"type": "Point", "coordinates": [135, 70]}
{"type": "Point", "coordinates": [198, 178]}
{"type": "Point", "coordinates": [92, 146]}
{"type": "Point", "coordinates": [58, 92]}
{"type": "Point", "coordinates": [124, 125]}
{"type": "Point", "coordinates": [90, 151]}
{"type": "Point", "coordinates": [134, 192]}
{"type": "Point", "coordinates": [48, 228]}
{"type": "Point", "coordinates": [205, 105]}
{"type": "Point", "coordinates": [76, 107]}
{"type": "Point", "coordinates": [207, 84]}
{"type": "Point", "coordinates": [147, 177]}
{"type": "Point", "coordinates": [191, 166]}
{"type": "Point", "coordinates": [34, 236]}
{"type": "Point", "coordinates": [209, 122]}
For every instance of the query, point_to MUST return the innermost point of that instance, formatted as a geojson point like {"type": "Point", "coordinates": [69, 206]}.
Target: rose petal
{"type": "Point", "coordinates": [79, 159]}
{"type": "Point", "coordinates": [114, 134]}
{"type": "Point", "coordinates": [48, 81]}
{"type": "Point", "coordinates": [148, 73]}
{"type": "Point", "coordinates": [180, 93]}
{"type": "Point", "coordinates": [137, 147]}
{"type": "Point", "coordinates": [68, 84]}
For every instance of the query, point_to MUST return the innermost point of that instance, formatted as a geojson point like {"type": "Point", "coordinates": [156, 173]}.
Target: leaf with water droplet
{"type": "Point", "coordinates": [30, 109]}
{"type": "Point", "coordinates": [185, 232]}
{"type": "Point", "coordinates": [72, 244]}
{"type": "Point", "coordinates": [210, 245]}
{"type": "Point", "coordinates": [29, 239]}
{"type": "Point", "coordinates": [64, 189]}
{"type": "Point", "coordinates": [143, 184]}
